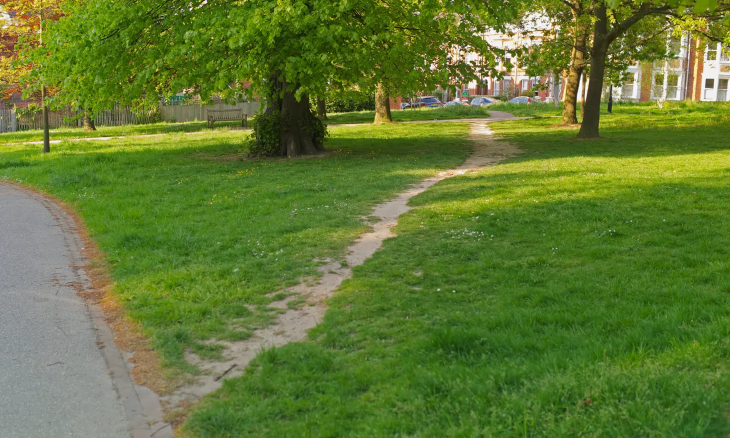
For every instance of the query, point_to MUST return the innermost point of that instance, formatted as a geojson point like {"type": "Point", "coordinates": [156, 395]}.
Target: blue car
{"type": "Point", "coordinates": [455, 103]}
{"type": "Point", "coordinates": [522, 99]}
{"type": "Point", "coordinates": [425, 101]}
{"type": "Point", "coordinates": [481, 101]}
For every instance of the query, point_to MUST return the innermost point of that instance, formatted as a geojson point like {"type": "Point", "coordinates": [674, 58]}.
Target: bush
{"type": "Point", "coordinates": [350, 102]}
{"type": "Point", "coordinates": [266, 129]}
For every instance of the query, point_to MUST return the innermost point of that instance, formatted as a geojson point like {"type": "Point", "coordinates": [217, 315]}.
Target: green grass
{"type": "Point", "coordinates": [112, 131]}
{"type": "Point", "coordinates": [422, 114]}
{"type": "Point", "coordinates": [580, 289]}
{"type": "Point", "coordinates": [531, 110]}
{"type": "Point", "coordinates": [416, 114]}
{"type": "Point", "coordinates": [196, 236]}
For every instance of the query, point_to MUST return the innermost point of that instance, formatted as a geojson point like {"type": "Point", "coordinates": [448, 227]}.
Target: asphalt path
{"type": "Point", "coordinates": [54, 381]}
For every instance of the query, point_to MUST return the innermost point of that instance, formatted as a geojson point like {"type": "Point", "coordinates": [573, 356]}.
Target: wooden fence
{"type": "Point", "coordinates": [118, 116]}
{"type": "Point", "coordinates": [10, 120]}
{"type": "Point", "coordinates": [191, 113]}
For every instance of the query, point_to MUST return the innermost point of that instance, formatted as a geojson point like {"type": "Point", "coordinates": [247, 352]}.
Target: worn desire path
{"type": "Point", "coordinates": [60, 373]}
{"type": "Point", "coordinates": [293, 324]}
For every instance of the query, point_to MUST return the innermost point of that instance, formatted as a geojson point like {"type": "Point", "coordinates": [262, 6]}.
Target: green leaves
{"type": "Point", "coordinates": [114, 51]}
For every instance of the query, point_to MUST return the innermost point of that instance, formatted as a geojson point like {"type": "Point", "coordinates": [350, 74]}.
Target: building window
{"type": "Point", "coordinates": [724, 54]}
{"type": "Point", "coordinates": [672, 86]}
{"type": "Point", "coordinates": [525, 85]}
{"type": "Point", "coordinates": [627, 90]}
{"type": "Point", "coordinates": [709, 93]}
{"type": "Point", "coordinates": [722, 90]}
{"type": "Point", "coordinates": [711, 52]}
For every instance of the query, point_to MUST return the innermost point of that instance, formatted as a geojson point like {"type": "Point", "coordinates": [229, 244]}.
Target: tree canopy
{"type": "Point", "coordinates": [122, 51]}
{"type": "Point", "coordinates": [21, 23]}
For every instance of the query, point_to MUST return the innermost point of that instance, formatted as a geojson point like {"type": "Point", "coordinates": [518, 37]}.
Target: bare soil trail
{"type": "Point", "coordinates": [293, 324]}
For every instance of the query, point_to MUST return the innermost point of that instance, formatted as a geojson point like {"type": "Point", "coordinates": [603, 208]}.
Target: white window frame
{"type": "Point", "coordinates": [709, 93]}
{"type": "Point", "coordinates": [711, 48]}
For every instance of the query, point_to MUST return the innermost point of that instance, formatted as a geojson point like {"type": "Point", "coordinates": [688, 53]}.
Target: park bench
{"type": "Point", "coordinates": [230, 115]}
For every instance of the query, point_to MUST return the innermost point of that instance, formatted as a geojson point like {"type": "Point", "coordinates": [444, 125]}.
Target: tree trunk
{"type": "Point", "coordinates": [382, 106]}
{"type": "Point", "coordinates": [584, 80]}
{"type": "Point", "coordinates": [301, 133]}
{"type": "Point", "coordinates": [46, 127]}
{"type": "Point", "coordinates": [88, 122]}
{"type": "Point", "coordinates": [321, 108]}
{"type": "Point", "coordinates": [575, 70]}
{"type": "Point", "coordinates": [570, 115]}
{"type": "Point", "coordinates": [592, 117]}
{"type": "Point", "coordinates": [296, 135]}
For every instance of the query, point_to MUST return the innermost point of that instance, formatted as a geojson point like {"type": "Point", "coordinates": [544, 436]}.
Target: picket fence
{"type": "Point", "coordinates": [117, 116]}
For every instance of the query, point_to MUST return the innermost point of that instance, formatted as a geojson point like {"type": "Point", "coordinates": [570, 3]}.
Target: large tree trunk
{"type": "Point", "coordinates": [382, 105]}
{"type": "Point", "coordinates": [576, 69]}
{"type": "Point", "coordinates": [298, 134]}
{"type": "Point", "coordinates": [88, 122]}
{"type": "Point", "coordinates": [592, 117]}
{"type": "Point", "coordinates": [321, 108]}
{"type": "Point", "coordinates": [296, 137]}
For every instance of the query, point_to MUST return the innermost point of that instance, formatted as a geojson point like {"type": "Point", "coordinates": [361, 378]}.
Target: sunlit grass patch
{"type": "Point", "coordinates": [578, 289]}
{"type": "Point", "coordinates": [196, 242]}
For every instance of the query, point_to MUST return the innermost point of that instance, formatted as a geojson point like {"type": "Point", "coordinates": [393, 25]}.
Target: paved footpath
{"type": "Point", "coordinates": [54, 381]}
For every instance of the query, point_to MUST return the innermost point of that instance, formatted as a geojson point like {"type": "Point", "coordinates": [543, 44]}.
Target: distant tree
{"type": "Point", "coordinates": [615, 19]}
{"type": "Point", "coordinates": [24, 24]}
{"type": "Point", "coordinates": [566, 48]}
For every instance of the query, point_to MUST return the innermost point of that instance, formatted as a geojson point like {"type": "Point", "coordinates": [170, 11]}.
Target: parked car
{"type": "Point", "coordinates": [522, 99]}
{"type": "Point", "coordinates": [456, 103]}
{"type": "Point", "coordinates": [430, 102]}
{"type": "Point", "coordinates": [482, 101]}
{"type": "Point", "coordinates": [425, 101]}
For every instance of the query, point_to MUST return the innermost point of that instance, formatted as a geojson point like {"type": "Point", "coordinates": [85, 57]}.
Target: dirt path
{"type": "Point", "coordinates": [292, 325]}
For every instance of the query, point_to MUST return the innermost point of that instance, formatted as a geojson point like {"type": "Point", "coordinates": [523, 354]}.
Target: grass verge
{"type": "Point", "coordinates": [113, 131]}
{"type": "Point", "coordinates": [416, 114]}
{"type": "Point", "coordinates": [196, 236]}
{"type": "Point", "coordinates": [579, 289]}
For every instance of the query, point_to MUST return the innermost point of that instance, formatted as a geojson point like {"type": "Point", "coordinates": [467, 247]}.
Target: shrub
{"type": "Point", "coordinates": [266, 129]}
{"type": "Point", "coordinates": [348, 102]}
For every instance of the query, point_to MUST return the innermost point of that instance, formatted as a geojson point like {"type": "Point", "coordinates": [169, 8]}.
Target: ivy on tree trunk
{"type": "Point", "coordinates": [300, 131]}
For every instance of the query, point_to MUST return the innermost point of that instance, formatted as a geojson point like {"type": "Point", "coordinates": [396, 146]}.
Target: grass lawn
{"type": "Point", "coordinates": [421, 114]}
{"type": "Point", "coordinates": [581, 289]}
{"type": "Point", "coordinates": [416, 114]}
{"type": "Point", "coordinates": [196, 236]}
{"type": "Point", "coordinates": [112, 131]}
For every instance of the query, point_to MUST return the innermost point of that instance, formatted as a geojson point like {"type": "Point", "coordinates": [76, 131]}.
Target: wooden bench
{"type": "Point", "coordinates": [230, 115]}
